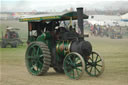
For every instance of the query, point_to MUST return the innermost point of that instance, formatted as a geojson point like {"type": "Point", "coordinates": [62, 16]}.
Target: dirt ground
{"type": "Point", "coordinates": [115, 52]}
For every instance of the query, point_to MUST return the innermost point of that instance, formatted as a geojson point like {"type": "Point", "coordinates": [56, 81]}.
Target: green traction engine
{"type": "Point", "coordinates": [53, 41]}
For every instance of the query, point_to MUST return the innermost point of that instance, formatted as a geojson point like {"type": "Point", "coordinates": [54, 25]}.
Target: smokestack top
{"type": "Point", "coordinates": [79, 8]}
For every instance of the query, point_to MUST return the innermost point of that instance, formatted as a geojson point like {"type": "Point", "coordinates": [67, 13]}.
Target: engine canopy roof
{"type": "Point", "coordinates": [50, 17]}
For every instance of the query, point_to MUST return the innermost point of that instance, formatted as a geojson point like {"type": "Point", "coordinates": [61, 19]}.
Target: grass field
{"type": "Point", "coordinates": [115, 53]}
{"type": "Point", "coordinates": [13, 70]}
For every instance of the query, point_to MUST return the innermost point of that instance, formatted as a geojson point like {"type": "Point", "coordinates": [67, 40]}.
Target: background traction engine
{"type": "Point", "coordinates": [69, 54]}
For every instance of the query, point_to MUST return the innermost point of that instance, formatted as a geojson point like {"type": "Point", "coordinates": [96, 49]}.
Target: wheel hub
{"type": "Point", "coordinates": [94, 64]}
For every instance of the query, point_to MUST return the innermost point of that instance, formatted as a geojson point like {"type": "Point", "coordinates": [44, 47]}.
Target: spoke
{"type": "Point", "coordinates": [92, 57]}
{"type": "Point", "coordinates": [29, 57]}
{"type": "Point", "coordinates": [36, 66]}
{"type": "Point", "coordinates": [70, 72]}
{"type": "Point", "coordinates": [99, 65]}
{"type": "Point", "coordinates": [40, 62]}
{"type": "Point", "coordinates": [70, 60]}
{"type": "Point", "coordinates": [73, 74]}
{"type": "Point", "coordinates": [88, 67]}
{"type": "Point", "coordinates": [97, 69]}
{"type": "Point", "coordinates": [38, 50]}
{"type": "Point", "coordinates": [77, 73]}
{"type": "Point", "coordinates": [79, 69]}
{"type": "Point", "coordinates": [32, 67]}
{"type": "Point", "coordinates": [98, 60]}
{"type": "Point", "coordinates": [33, 62]}
{"type": "Point", "coordinates": [41, 56]}
{"type": "Point", "coordinates": [32, 54]}
{"type": "Point", "coordinates": [79, 64]}
{"type": "Point", "coordinates": [38, 69]}
{"type": "Point", "coordinates": [77, 59]}
{"type": "Point", "coordinates": [68, 68]}
{"type": "Point", "coordinates": [91, 69]}
{"type": "Point", "coordinates": [34, 51]}
{"type": "Point", "coordinates": [32, 58]}
{"type": "Point", "coordinates": [74, 57]}
{"type": "Point", "coordinates": [89, 63]}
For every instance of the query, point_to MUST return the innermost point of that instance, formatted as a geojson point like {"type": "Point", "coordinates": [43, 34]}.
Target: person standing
{"type": "Point", "coordinates": [8, 32]}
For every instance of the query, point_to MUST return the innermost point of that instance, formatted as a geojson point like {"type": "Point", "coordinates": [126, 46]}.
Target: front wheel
{"type": "Point", "coordinates": [74, 65]}
{"type": "Point", "coordinates": [14, 44]}
{"type": "Point", "coordinates": [3, 45]}
{"type": "Point", "coordinates": [94, 65]}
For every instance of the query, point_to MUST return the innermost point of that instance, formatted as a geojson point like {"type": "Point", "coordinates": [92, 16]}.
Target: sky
{"type": "Point", "coordinates": [49, 5]}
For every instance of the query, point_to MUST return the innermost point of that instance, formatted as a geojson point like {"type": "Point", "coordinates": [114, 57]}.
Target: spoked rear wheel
{"type": "Point", "coordinates": [95, 65]}
{"type": "Point", "coordinates": [37, 58]}
{"type": "Point", "coordinates": [74, 65]}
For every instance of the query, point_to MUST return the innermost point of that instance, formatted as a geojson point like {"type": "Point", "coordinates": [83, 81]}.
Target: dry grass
{"type": "Point", "coordinates": [13, 70]}
{"type": "Point", "coordinates": [115, 53]}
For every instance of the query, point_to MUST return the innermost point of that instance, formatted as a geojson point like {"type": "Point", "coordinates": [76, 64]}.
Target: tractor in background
{"type": "Point", "coordinates": [11, 38]}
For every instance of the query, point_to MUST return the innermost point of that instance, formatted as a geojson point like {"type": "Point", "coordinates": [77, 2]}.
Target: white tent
{"type": "Point", "coordinates": [124, 17]}
{"type": "Point", "coordinates": [104, 19]}
{"type": "Point", "coordinates": [111, 20]}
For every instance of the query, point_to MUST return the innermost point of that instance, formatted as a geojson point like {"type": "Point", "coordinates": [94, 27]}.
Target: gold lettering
{"type": "Point", "coordinates": [50, 17]}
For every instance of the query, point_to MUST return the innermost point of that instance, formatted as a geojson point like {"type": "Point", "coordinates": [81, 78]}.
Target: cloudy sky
{"type": "Point", "coordinates": [51, 5]}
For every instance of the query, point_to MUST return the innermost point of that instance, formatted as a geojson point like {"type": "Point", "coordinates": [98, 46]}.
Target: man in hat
{"type": "Point", "coordinates": [8, 32]}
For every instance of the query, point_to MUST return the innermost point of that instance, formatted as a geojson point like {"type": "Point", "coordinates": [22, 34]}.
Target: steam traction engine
{"type": "Point", "coordinates": [52, 45]}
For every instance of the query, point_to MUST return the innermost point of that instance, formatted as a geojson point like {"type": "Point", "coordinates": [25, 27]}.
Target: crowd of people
{"type": "Point", "coordinates": [106, 30]}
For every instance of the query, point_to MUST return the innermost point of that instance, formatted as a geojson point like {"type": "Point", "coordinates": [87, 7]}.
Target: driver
{"type": "Point", "coordinates": [51, 25]}
{"type": "Point", "coordinates": [8, 32]}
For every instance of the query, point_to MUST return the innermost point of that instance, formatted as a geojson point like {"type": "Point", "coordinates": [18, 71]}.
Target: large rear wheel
{"type": "Point", "coordinates": [74, 65]}
{"type": "Point", "coordinates": [38, 58]}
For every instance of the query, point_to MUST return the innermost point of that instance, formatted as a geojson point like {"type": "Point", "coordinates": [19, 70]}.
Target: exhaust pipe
{"type": "Point", "coordinates": [80, 20]}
